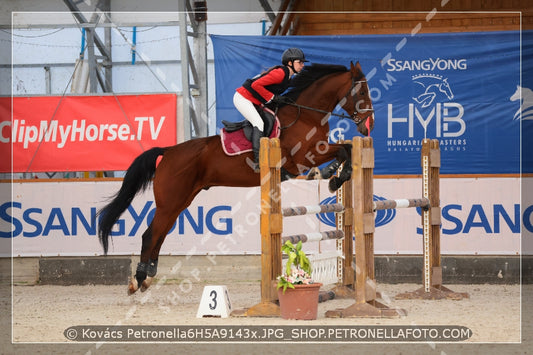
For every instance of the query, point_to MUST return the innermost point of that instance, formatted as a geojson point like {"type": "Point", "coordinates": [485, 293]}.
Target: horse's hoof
{"type": "Point", "coordinates": [133, 286]}
{"type": "Point", "coordinates": [333, 184]}
{"type": "Point", "coordinates": [314, 174]}
{"type": "Point", "coordinates": [146, 283]}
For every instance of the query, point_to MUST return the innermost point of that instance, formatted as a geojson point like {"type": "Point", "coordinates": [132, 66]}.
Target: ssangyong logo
{"type": "Point", "coordinates": [382, 217]}
{"type": "Point", "coordinates": [429, 64]}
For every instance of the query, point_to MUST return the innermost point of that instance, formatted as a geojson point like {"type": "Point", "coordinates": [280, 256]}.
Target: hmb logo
{"type": "Point", "coordinates": [432, 111]}
{"type": "Point", "coordinates": [431, 86]}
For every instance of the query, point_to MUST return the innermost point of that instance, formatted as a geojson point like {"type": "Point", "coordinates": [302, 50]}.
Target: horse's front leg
{"type": "Point", "coordinates": [344, 156]}
{"type": "Point", "coordinates": [329, 170]}
{"type": "Point", "coordinates": [326, 172]}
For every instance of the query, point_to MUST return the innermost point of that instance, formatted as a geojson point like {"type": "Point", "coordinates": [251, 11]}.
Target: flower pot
{"type": "Point", "coordinates": [300, 302]}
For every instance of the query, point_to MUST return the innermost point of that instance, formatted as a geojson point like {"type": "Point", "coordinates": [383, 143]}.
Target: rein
{"type": "Point", "coordinates": [330, 113]}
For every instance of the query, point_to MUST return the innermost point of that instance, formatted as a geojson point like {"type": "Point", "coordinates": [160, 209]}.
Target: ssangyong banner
{"type": "Point", "coordinates": [58, 218]}
{"type": "Point", "coordinates": [83, 133]}
{"type": "Point", "coordinates": [465, 89]}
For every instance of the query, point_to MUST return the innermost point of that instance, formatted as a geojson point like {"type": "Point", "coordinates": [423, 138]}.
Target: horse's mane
{"type": "Point", "coordinates": [309, 75]}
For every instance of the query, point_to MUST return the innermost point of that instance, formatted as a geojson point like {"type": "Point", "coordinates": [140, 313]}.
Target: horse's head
{"type": "Point", "coordinates": [517, 94]}
{"type": "Point", "coordinates": [357, 102]}
{"type": "Point", "coordinates": [445, 88]}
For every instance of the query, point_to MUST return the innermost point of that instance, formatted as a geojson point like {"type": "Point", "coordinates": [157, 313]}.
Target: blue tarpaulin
{"type": "Point", "coordinates": [460, 88]}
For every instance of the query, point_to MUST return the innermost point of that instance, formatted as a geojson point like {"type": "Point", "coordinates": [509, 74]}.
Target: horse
{"type": "Point", "coordinates": [189, 167]}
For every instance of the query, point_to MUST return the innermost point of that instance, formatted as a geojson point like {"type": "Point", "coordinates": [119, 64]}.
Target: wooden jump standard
{"type": "Point", "coordinates": [431, 220]}
{"type": "Point", "coordinates": [272, 226]}
{"type": "Point", "coordinates": [358, 216]}
{"type": "Point", "coordinates": [366, 304]}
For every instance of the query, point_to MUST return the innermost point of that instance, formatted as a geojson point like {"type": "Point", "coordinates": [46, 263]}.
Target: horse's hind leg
{"type": "Point", "coordinates": [142, 267]}
{"type": "Point", "coordinates": [147, 267]}
{"type": "Point", "coordinates": [153, 239]}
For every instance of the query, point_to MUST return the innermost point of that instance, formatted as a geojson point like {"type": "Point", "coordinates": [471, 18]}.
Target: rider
{"type": "Point", "coordinates": [265, 88]}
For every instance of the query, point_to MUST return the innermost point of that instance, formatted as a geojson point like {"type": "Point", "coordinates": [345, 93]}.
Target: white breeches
{"type": "Point", "coordinates": [247, 109]}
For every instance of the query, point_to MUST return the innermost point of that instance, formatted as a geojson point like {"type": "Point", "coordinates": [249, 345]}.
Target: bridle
{"type": "Point", "coordinates": [352, 93]}
{"type": "Point", "coordinates": [352, 117]}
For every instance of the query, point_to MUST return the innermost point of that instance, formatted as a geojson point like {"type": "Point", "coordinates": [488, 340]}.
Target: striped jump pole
{"type": "Point", "coordinates": [313, 237]}
{"type": "Point", "coordinates": [400, 203]}
{"type": "Point", "coordinates": [303, 210]}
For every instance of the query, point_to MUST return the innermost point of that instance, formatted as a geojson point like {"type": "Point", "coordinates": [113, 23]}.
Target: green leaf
{"type": "Point", "coordinates": [296, 257]}
{"type": "Point", "coordinates": [290, 262]}
{"type": "Point", "coordinates": [287, 285]}
{"type": "Point", "coordinates": [282, 282]}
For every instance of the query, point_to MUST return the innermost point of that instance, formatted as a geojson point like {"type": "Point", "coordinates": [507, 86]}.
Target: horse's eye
{"type": "Point", "coordinates": [363, 93]}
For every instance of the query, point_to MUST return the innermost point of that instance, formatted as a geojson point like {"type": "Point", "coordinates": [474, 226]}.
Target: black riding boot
{"type": "Point", "coordinates": [256, 141]}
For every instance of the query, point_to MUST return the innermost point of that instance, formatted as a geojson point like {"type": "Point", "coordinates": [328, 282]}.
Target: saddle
{"type": "Point", "coordinates": [236, 136]}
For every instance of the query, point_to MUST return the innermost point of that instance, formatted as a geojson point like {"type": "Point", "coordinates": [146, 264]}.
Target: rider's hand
{"type": "Point", "coordinates": [278, 99]}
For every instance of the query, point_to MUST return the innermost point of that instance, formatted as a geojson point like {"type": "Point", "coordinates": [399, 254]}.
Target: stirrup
{"type": "Point", "coordinates": [253, 165]}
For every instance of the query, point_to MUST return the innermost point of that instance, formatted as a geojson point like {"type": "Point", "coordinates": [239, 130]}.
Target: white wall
{"type": "Point", "coordinates": [54, 218]}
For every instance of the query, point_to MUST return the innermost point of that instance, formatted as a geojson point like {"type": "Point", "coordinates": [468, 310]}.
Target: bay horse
{"type": "Point", "coordinates": [187, 168]}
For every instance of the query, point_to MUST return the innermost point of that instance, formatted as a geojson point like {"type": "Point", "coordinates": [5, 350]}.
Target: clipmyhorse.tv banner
{"type": "Point", "coordinates": [83, 133]}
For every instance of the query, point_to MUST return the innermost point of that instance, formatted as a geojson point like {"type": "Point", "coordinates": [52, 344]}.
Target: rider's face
{"type": "Point", "coordinates": [298, 65]}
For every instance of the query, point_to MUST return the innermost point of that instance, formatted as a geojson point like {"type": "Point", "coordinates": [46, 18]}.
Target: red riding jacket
{"type": "Point", "coordinates": [262, 88]}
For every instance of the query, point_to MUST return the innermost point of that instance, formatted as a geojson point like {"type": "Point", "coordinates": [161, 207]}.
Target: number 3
{"type": "Point", "coordinates": [213, 305]}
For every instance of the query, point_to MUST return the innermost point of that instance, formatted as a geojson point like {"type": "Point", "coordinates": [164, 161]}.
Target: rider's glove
{"type": "Point", "coordinates": [277, 99]}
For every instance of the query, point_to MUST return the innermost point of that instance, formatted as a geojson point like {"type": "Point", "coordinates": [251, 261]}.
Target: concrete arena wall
{"type": "Point", "coordinates": [227, 269]}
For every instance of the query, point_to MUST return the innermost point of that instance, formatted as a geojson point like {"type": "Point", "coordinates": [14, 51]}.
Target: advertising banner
{"type": "Point", "coordinates": [465, 89]}
{"type": "Point", "coordinates": [83, 133]}
{"type": "Point", "coordinates": [58, 218]}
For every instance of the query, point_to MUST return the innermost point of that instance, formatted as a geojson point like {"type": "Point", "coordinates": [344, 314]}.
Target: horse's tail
{"type": "Point", "coordinates": [137, 178]}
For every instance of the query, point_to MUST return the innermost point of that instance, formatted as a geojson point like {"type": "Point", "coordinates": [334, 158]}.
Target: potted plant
{"type": "Point", "coordinates": [297, 293]}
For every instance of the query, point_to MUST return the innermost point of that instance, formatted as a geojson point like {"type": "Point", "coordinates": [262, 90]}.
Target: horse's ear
{"type": "Point", "coordinates": [356, 69]}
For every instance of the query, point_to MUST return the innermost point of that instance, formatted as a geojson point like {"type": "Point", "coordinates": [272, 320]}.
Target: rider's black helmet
{"type": "Point", "coordinates": [292, 54]}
